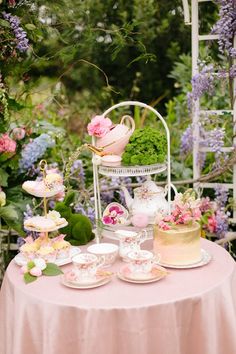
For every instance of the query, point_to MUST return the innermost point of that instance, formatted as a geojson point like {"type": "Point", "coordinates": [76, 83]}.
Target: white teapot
{"type": "Point", "coordinates": [149, 199]}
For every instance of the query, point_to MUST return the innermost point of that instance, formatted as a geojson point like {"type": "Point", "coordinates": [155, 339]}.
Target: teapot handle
{"type": "Point", "coordinates": [131, 121]}
{"type": "Point", "coordinates": [173, 187]}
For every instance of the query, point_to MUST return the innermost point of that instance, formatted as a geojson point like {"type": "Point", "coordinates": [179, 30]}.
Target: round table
{"type": "Point", "coordinates": [190, 311]}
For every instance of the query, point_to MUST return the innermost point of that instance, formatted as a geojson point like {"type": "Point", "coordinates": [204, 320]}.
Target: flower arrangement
{"type": "Point", "coordinates": [188, 209]}
{"type": "Point", "coordinates": [38, 267]}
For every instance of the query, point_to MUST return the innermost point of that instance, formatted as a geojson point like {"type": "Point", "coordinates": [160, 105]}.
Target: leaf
{"type": "Point", "coordinates": [28, 278]}
{"type": "Point", "coordinates": [3, 178]}
{"type": "Point", "coordinates": [4, 23]}
{"type": "Point", "coordinates": [30, 26]}
{"type": "Point", "coordinates": [52, 269]}
{"type": "Point", "coordinates": [8, 213]}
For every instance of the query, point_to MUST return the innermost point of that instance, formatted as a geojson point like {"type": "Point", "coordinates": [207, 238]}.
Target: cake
{"type": "Point", "coordinates": [29, 250]}
{"type": "Point", "coordinates": [180, 245]}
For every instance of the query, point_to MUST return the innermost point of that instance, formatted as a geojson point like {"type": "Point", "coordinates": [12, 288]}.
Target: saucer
{"type": "Point", "coordinates": [20, 260]}
{"type": "Point", "coordinates": [99, 280]}
{"type": "Point", "coordinates": [157, 273]}
{"type": "Point", "coordinates": [205, 259]}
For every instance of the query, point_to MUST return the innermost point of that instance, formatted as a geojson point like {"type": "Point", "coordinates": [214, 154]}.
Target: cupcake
{"type": "Point", "coordinates": [62, 247]}
{"type": "Point", "coordinates": [48, 253]}
{"type": "Point", "coordinates": [29, 250]}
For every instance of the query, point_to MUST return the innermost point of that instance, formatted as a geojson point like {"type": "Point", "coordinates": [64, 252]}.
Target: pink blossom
{"type": "Point", "coordinates": [7, 144]}
{"type": "Point", "coordinates": [18, 133]}
{"type": "Point", "coordinates": [99, 126]}
{"type": "Point", "coordinates": [212, 224]}
{"type": "Point", "coordinates": [197, 214]}
{"type": "Point", "coordinates": [163, 225]}
{"type": "Point", "coordinates": [108, 220]}
{"type": "Point", "coordinates": [37, 272]}
{"type": "Point", "coordinates": [116, 209]}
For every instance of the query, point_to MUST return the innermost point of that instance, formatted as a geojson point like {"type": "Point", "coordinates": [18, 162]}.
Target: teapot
{"type": "Point", "coordinates": [149, 199]}
{"type": "Point", "coordinates": [115, 141]}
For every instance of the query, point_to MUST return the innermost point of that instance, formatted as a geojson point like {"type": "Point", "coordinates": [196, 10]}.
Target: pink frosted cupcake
{"type": "Point", "coordinates": [48, 253]}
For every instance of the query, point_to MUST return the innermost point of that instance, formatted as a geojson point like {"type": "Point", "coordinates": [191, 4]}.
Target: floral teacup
{"type": "Point", "coordinates": [86, 266]}
{"type": "Point", "coordinates": [141, 262]}
{"type": "Point", "coordinates": [130, 241]}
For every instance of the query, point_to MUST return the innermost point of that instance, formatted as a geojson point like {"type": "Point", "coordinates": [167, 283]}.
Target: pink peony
{"type": "Point", "coordinates": [7, 144]}
{"type": "Point", "coordinates": [37, 272]}
{"type": "Point", "coordinates": [99, 126]}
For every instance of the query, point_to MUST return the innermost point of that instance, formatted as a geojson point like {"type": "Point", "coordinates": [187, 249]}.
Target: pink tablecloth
{"type": "Point", "coordinates": [189, 312]}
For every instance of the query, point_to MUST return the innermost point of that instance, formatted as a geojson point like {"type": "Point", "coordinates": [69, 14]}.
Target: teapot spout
{"type": "Point", "coordinates": [128, 199]}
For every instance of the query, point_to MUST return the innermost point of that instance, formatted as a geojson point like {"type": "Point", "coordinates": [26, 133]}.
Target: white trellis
{"type": "Point", "coordinates": [197, 111]}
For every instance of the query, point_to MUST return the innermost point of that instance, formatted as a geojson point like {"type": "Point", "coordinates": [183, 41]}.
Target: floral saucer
{"type": "Point", "coordinates": [102, 277]}
{"type": "Point", "coordinates": [20, 260]}
{"type": "Point", "coordinates": [157, 273]}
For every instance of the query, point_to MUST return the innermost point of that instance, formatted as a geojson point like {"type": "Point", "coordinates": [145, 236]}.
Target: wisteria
{"type": "Point", "coordinates": [77, 170]}
{"type": "Point", "coordinates": [202, 82]}
{"type": "Point", "coordinates": [20, 34]}
{"type": "Point", "coordinates": [226, 27]}
{"type": "Point", "coordinates": [34, 150]}
{"type": "Point", "coordinates": [28, 213]}
{"type": "Point", "coordinates": [213, 139]}
{"type": "Point", "coordinates": [86, 210]}
{"type": "Point", "coordinates": [222, 223]}
{"type": "Point", "coordinates": [221, 196]}
{"type": "Point", "coordinates": [186, 144]}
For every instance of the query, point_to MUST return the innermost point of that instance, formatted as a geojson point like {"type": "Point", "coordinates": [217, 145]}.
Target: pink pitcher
{"type": "Point", "coordinates": [115, 141]}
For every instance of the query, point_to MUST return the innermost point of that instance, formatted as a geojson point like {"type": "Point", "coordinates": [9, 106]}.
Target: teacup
{"type": "Point", "coordinates": [107, 250]}
{"type": "Point", "coordinates": [86, 266]}
{"type": "Point", "coordinates": [130, 241]}
{"type": "Point", "coordinates": [141, 262]}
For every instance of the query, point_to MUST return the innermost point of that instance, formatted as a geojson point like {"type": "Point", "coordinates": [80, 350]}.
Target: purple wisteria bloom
{"type": "Point", "coordinates": [20, 34]}
{"type": "Point", "coordinates": [77, 170]}
{"type": "Point", "coordinates": [202, 82]}
{"type": "Point", "coordinates": [225, 27]}
{"type": "Point", "coordinates": [186, 144]}
{"type": "Point", "coordinates": [221, 194]}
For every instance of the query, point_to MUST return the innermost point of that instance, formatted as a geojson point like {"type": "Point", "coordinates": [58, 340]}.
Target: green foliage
{"type": "Point", "coordinates": [79, 228]}
{"type": "Point", "coordinates": [146, 146]}
{"type": "Point", "coordinates": [51, 270]}
{"type": "Point", "coordinates": [28, 278]}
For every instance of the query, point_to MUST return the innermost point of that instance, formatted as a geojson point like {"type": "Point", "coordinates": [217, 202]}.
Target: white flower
{"type": "Point", "coordinates": [54, 215]}
{"type": "Point", "coordinates": [40, 263]}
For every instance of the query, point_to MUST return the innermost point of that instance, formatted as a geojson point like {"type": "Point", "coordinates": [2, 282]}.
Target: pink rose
{"type": "Point", "coordinates": [7, 144]}
{"type": "Point", "coordinates": [37, 272]}
{"type": "Point", "coordinates": [18, 133]}
{"type": "Point", "coordinates": [99, 126]}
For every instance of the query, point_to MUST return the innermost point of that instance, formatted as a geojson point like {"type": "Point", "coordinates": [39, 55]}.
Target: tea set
{"type": "Point", "coordinates": [90, 268]}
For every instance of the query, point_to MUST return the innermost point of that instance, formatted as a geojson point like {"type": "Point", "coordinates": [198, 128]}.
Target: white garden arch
{"type": "Point", "coordinates": [196, 38]}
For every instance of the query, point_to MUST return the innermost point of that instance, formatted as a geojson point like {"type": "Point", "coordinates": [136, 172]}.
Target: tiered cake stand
{"type": "Point", "coordinates": [44, 194]}
{"type": "Point", "coordinates": [128, 171]}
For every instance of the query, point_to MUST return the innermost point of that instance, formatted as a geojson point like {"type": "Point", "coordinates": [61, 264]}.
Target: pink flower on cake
{"type": "Point", "coordinates": [7, 144]}
{"type": "Point", "coordinates": [99, 126]}
{"type": "Point", "coordinates": [163, 225]}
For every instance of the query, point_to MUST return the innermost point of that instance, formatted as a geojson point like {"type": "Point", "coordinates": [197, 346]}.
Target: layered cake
{"type": "Point", "coordinates": [180, 245]}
